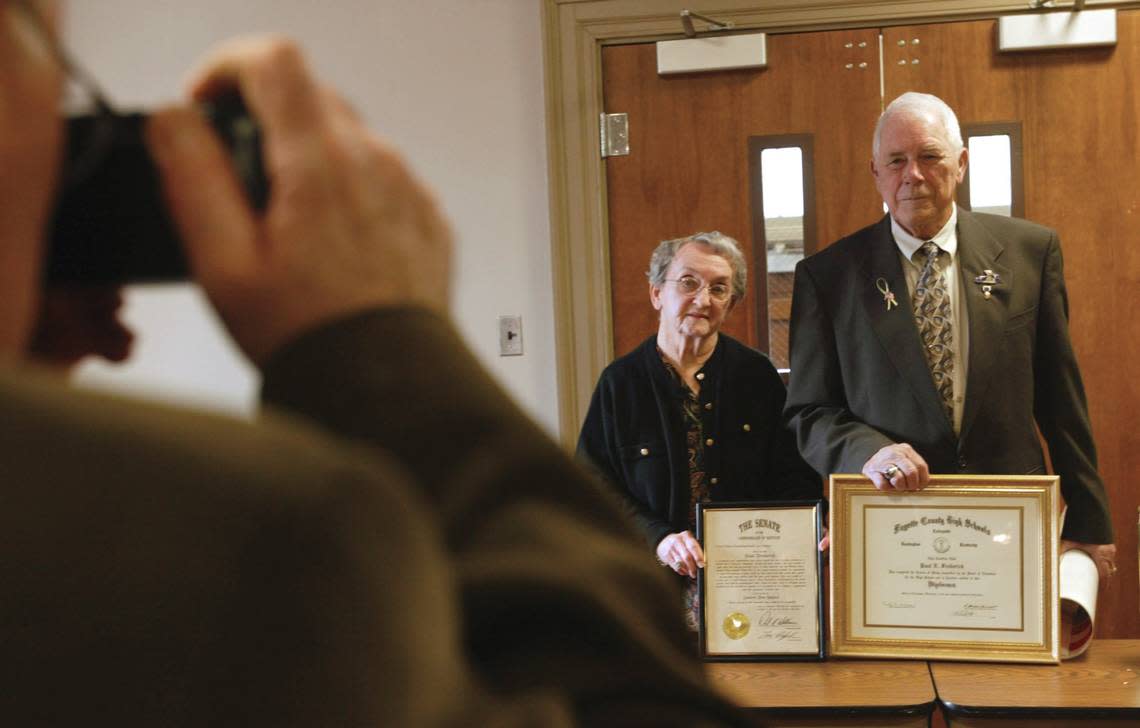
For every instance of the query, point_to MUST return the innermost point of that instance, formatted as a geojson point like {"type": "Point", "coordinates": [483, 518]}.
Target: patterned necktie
{"type": "Point", "coordinates": [932, 314]}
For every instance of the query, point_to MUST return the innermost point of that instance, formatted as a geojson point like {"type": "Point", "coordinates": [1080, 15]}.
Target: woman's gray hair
{"type": "Point", "coordinates": [719, 243]}
{"type": "Point", "coordinates": [913, 103]}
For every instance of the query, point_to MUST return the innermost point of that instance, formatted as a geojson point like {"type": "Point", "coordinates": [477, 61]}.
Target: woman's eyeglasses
{"type": "Point", "coordinates": [692, 286]}
{"type": "Point", "coordinates": [102, 118]}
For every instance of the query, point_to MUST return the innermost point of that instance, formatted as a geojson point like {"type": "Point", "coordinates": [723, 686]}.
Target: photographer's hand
{"type": "Point", "coordinates": [347, 227]}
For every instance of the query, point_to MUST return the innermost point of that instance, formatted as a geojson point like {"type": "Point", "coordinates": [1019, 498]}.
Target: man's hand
{"type": "Point", "coordinates": [1103, 555]}
{"type": "Point", "coordinates": [682, 553]}
{"type": "Point", "coordinates": [347, 228]}
{"type": "Point", "coordinates": [897, 466]}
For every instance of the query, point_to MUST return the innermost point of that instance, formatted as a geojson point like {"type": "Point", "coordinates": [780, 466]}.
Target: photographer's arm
{"type": "Point", "coordinates": [339, 293]}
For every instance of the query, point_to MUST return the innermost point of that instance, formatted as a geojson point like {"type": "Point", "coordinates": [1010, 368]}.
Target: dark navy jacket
{"type": "Point", "coordinates": [634, 434]}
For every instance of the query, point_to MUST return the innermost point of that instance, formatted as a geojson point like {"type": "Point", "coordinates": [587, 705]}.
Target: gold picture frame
{"type": "Point", "coordinates": [965, 569]}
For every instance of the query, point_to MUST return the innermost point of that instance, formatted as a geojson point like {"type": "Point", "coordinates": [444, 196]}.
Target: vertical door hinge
{"type": "Point", "coordinates": [615, 135]}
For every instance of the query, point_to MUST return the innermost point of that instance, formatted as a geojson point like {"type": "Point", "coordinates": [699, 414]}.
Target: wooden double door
{"type": "Point", "coordinates": [1078, 114]}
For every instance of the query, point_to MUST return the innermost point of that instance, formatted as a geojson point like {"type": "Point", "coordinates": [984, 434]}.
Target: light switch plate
{"type": "Point", "coordinates": [510, 336]}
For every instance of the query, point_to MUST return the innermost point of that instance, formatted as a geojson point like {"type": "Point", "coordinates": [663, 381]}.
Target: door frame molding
{"type": "Point", "coordinates": [574, 32]}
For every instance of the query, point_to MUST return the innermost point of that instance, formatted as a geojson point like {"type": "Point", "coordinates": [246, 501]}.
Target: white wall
{"type": "Point", "coordinates": [456, 84]}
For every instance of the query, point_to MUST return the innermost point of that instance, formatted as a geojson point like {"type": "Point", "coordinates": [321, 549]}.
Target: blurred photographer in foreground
{"type": "Point", "coordinates": [393, 543]}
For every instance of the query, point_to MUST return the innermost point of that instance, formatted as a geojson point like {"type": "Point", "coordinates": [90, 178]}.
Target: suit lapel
{"type": "Point", "coordinates": [979, 251]}
{"type": "Point", "coordinates": [895, 328]}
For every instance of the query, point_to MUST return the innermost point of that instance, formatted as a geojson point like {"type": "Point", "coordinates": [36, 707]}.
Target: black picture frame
{"type": "Point", "coordinates": [762, 516]}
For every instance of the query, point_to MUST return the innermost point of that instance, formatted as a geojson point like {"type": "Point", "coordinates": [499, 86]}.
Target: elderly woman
{"type": "Point", "coordinates": [691, 414]}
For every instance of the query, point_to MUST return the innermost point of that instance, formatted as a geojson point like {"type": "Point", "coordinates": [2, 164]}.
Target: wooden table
{"type": "Point", "coordinates": [1101, 688]}
{"type": "Point", "coordinates": [859, 693]}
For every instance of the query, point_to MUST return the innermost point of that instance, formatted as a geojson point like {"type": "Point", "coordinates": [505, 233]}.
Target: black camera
{"type": "Point", "coordinates": [110, 223]}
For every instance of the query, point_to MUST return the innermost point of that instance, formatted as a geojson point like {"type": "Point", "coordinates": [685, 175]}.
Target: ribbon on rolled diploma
{"type": "Point", "coordinates": [1079, 582]}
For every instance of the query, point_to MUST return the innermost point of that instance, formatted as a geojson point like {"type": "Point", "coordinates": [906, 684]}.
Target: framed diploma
{"type": "Point", "coordinates": [965, 569]}
{"type": "Point", "coordinates": [761, 591]}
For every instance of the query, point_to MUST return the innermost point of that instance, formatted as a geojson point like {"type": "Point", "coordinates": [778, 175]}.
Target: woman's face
{"type": "Point", "coordinates": [696, 314]}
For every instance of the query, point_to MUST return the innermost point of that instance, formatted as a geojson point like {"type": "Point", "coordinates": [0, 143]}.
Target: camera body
{"type": "Point", "coordinates": [110, 224]}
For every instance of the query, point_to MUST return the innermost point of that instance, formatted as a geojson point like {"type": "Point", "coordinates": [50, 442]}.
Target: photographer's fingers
{"type": "Point", "coordinates": [203, 194]}
{"type": "Point", "coordinates": [274, 80]}
{"type": "Point", "coordinates": [229, 251]}
{"type": "Point", "coordinates": [348, 227]}
{"type": "Point", "coordinates": [342, 199]}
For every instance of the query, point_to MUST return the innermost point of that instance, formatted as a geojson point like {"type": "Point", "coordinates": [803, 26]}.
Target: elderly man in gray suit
{"type": "Point", "coordinates": [935, 339]}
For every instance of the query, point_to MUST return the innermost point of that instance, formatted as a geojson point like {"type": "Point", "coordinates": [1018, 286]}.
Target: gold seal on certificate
{"type": "Point", "coordinates": [761, 587]}
{"type": "Point", "coordinates": [965, 569]}
{"type": "Point", "coordinates": [736, 626]}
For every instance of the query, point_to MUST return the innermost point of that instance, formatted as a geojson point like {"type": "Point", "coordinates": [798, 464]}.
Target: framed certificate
{"type": "Point", "coordinates": [965, 569]}
{"type": "Point", "coordinates": [762, 586]}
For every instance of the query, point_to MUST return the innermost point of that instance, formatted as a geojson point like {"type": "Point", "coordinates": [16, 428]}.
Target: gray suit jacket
{"type": "Point", "coordinates": [859, 380]}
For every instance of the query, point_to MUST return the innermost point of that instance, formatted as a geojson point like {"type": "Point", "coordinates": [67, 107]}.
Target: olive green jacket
{"type": "Point", "coordinates": [391, 543]}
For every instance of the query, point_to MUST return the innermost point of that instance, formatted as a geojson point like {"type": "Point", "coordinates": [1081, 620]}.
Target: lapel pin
{"type": "Point", "coordinates": [888, 295]}
{"type": "Point", "coordinates": [987, 280]}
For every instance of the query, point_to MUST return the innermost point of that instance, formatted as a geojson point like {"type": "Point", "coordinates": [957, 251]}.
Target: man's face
{"type": "Point", "coordinates": [696, 314]}
{"type": "Point", "coordinates": [917, 171]}
{"type": "Point", "coordinates": [30, 134]}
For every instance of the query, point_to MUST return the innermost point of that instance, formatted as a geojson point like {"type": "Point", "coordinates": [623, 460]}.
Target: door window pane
{"type": "Point", "coordinates": [782, 181]}
{"type": "Point", "coordinates": [991, 183]}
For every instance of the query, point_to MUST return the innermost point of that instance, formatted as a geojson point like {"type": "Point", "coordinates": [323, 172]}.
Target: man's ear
{"type": "Point", "coordinates": [963, 160]}
{"type": "Point", "coordinates": [655, 296]}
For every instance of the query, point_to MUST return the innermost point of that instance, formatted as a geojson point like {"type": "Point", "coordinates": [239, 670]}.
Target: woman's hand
{"type": "Point", "coordinates": [682, 553]}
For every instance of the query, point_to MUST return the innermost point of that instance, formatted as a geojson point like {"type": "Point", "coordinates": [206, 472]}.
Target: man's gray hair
{"type": "Point", "coordinates": [913, 103]}
{"type": "Point", "coordinates": [719, 243]}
